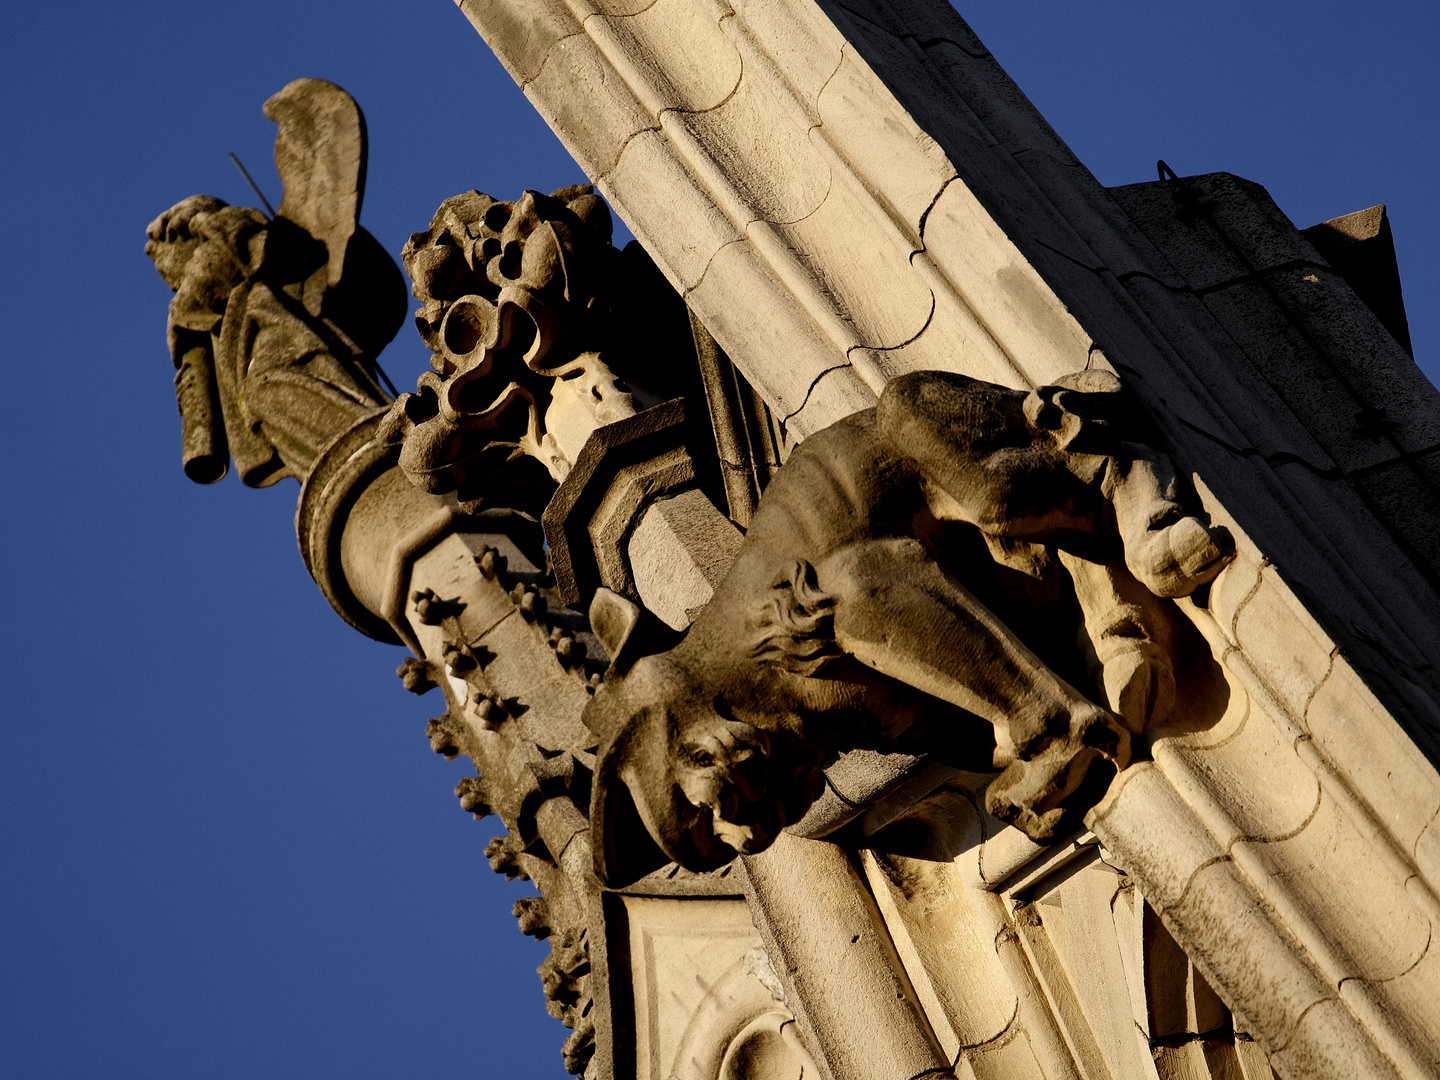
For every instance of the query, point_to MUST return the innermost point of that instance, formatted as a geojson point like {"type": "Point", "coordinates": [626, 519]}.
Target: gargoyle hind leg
{"type": "Point", "coordinates": [898, 612]}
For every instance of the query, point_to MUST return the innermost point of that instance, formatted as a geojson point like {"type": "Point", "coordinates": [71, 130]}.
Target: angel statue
{"type": "Point", "coordinates": [276, 321]}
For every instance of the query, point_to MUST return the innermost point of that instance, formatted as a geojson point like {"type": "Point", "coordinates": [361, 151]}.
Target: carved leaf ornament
{"type": "Point", "coordinates": [513, 318]}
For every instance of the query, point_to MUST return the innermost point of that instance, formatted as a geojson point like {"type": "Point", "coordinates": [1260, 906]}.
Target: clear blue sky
{"type": "Point", "coordinates": [226, 849]}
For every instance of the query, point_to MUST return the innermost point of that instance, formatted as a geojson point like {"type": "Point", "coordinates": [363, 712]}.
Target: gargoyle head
{"type": "Point", "coordinates": [679, 779]}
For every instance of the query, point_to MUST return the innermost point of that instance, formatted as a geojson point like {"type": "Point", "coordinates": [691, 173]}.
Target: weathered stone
{"type": "Point", "coordinates": [852, 999]}
{"type": "Point", "coordinates": [831, 584]}
{"type": "Point", "coordinates": [276, 323]}
{"type": "Point", "coordinates": [516, 296]}
{"type": "Point", "coordinates": [1361, 249]}
{"type": "Point", "coordinates": [848, 192]}
{"type": "Point", "coordinates": [671, 940]}
{"type": "Point", "coordinates": [624, 468]}
{"type": "Point", "coordinates": [675, 552]}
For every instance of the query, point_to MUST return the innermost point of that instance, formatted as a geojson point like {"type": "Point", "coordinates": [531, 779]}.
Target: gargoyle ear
{"type": "Point", "coordinates": [623, 848]}
{"type": "Point", "coordinates": [615, 620]}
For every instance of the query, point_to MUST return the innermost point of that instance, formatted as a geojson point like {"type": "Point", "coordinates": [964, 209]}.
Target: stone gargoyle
{"type": "Point", "coordinates": [276, 322]}
{"type": "Point", "coordinates": [883, 598]}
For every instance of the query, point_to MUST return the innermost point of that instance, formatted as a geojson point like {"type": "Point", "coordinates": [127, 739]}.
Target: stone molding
{"type": "Point", "coordinates": [772, 277]}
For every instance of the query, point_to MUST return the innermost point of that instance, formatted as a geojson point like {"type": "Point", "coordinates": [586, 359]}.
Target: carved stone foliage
{"type": "Point", "coordinates": [276, 322]}
{"type": "Point", "coordinates": [516, 315]}
{"type": "Point", "coordinates": [899, 586]}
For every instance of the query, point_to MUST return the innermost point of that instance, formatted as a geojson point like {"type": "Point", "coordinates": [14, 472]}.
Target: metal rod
{"type": "Point", "coordinates": [253, 186]}
{"type": "Point", "coordinates": [381, 372]}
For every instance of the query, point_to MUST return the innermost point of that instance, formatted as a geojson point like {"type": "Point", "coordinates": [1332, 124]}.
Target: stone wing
{"type": "Point", "coordinates": [320, 153]}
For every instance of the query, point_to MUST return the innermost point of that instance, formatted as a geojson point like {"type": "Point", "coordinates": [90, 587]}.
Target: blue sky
{"type": "Point", "coordinates": [226, 849]}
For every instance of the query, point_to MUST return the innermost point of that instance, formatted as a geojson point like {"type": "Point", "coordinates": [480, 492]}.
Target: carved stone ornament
{"type": "Point", "coordinates": [897, 590]}
{"type": "Point", "coordinates": [731, 615]}
{"type": "Point", "coordinates": [276, 322]}
{"type": "Point", "coordinates": [515, 313]}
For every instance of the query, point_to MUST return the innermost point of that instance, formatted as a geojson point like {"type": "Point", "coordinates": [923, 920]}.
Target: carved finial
{"type": "Point", "coordinates": [579, 1048]}
{"type": "Point", "coordinates": [562, 970]}
{"type": "Point", "coordinates": [531, 604]}
{"type": "Point", "coordinates": [459, 657]}
{"type": "Point", "coordinates": [490, 562]}
{"type": "Point", "coordinates": [432, 610]}
{"type": "Point", "coordinates": [490, 711]}
{"type": "Point", "coordinates": [568, 650]}
{"type": "Point", "coordinates": [514, 318]}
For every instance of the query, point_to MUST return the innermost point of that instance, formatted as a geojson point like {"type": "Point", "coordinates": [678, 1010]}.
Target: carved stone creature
{"type": "Point", "coordinates": [875, 603]}
{"type": "Point", "coordinates": [276, 323]}
{"type": "Point", "coordinates": [514, 317]}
